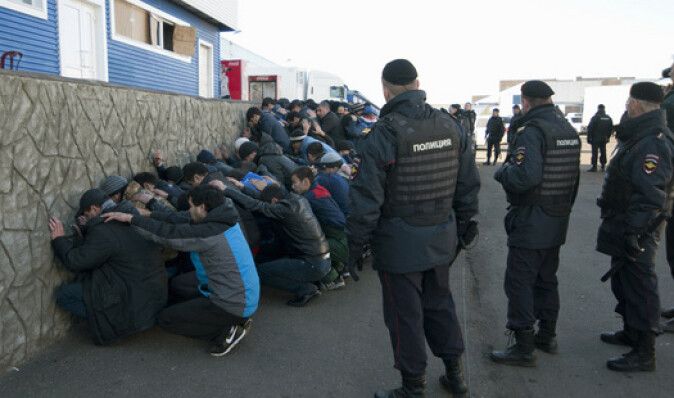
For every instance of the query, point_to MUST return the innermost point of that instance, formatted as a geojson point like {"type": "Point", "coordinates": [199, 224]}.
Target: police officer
{"type": "Point", "coordinates": [417, 186]}
{"type": "Point", "coordinates": [634, 203]}
{"type": "Point", "coordinates": [512, 128]}
{"type": "Point", "coordinates": [540, 178]}
{"type": "Point", "coordinates": [494, 135]}
{"type": "Point", "coordinates": [598, 133]}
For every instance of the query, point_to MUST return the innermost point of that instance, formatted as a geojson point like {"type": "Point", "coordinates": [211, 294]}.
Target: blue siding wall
{"type": "Point", "coordinates": [36, 38]}
{"type": "Point", "coordinates": [133, 66]}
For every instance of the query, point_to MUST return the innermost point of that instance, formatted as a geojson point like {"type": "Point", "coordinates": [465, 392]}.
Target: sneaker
{"type": "Point", "coordinates": [345, 274]}
{"type": "Point", "coordinates": [301, 301]}
{"type": "Point", "coordinates": [336, 284]}
{"type": "Point", "coordinates": [226, 344]}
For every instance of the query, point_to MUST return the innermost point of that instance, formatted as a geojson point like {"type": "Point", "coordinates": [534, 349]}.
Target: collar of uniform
{"type": "Point", "coordinates": [641, 126]}
{"type": "Point", "coordinates": [537, 111]}
{"type": "Point", "coordinates": [413, 97]}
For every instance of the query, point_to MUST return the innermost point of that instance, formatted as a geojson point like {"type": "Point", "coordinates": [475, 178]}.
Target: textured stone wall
{"type": "Point", "coordinates": [58, 138]}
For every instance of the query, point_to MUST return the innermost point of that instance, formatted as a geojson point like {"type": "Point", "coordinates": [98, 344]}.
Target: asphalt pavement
{"type": "Point", "coordinates": [338, 345]}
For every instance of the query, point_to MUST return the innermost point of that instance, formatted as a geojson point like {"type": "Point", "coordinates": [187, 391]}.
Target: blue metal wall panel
{"type": "Point", "coordinates": [36, 38]}
{"type": "Point", "coordinates": [133, 66]}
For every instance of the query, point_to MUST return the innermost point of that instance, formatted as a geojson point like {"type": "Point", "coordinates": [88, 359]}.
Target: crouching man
{"type": "Point", "coordinates": [121, 282]}
{"type": "Point", "coordinates": [226, 288]}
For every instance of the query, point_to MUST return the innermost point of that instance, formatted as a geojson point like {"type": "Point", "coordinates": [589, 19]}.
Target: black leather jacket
{"type": "Point", "coordinates": [295, 217]}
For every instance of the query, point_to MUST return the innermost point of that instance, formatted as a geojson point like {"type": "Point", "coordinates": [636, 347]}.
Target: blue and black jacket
{"type": "Point", "coordinates": [223, 261]}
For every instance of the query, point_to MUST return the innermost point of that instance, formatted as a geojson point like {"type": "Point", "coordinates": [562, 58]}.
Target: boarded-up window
{"type": "Point", "coordinates": [141, 25]}
{"type": "Point", "coordinates": [132, 22]}
{"type": "Point", "coordinates": [184, 40]}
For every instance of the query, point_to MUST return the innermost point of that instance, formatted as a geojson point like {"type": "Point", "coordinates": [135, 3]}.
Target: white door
{"type": "Point", "coordinates": [78, 39]}
{"type": "Point", "coordinates": [205, 70]}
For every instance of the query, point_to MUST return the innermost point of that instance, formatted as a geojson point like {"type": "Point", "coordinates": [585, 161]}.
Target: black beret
{"type": "Point", "coordinates": [516, 106]}
{"type": "Point", "coordinates": [495, 110]}
{"type": "Point", "coordinates": [536, 89]}
{"type": "Point", "coordinates": [399, 72]}
{"type": "Point", "coordinates": [647, 91]}
{"type": "Point", "coordinates": [666, 72]}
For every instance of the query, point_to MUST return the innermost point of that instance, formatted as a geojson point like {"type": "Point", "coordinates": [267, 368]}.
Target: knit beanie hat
{"type": "Point", "coordinates": [113, 184]}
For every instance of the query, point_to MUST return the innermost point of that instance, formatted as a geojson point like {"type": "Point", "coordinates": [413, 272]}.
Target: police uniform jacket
{"type": "Point", "coordinates": [530, 226]}
{"type": "Point", "coordinates": [600, 128]}
{"type": "Point", "coordinates": [399, 246]}
{"type": "Point", "coordinates": [637, 181]}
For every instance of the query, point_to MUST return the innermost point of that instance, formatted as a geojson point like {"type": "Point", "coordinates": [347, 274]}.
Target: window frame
{"type": "Point", "coordinates": [163, 16]}
{"type": "Point", "coordinates": [42, 13]}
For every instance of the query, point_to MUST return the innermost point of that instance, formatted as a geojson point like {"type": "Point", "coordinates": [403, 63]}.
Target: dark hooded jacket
{"type": "Point", "coordinates": [332, 126]}
{"type": "Point", "coordinates": [123, 277]}
{"type": "Point", "coordinates": [280, 166]}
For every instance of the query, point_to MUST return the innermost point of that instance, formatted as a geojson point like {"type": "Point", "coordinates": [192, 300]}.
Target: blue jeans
{"type": "Point", "coordinates": [295, 275]}
{"type": "Point", "coordinates": [70, 297]}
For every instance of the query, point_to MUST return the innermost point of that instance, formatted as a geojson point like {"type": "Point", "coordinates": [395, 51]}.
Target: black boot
{"type": "Point", "coordinates": [519, 354]}
{"type": "Point", "coordinates": [413, 387]}
{"type": "Point", "coordinates": [669, 314]}
{"type": "Point", "coordinates": [545, 338]}
{"type": "Point", "coordinates": [592, 169]}
{"type": "Point", "coordinates": [640, 359]}
{"type": "Point", "coordinates": [452, 380]}
{"type": "Point", "coordinates": [626, 337]}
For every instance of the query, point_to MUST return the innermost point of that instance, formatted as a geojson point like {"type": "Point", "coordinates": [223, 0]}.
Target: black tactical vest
{"type": "Point", "coordinates": [561, 168]}
{"type": "Point", "coordinates": [420, 186]}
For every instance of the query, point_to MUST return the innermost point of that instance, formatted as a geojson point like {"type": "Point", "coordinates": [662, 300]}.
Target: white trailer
{"type": "Point", "coordinates": [613, 98]}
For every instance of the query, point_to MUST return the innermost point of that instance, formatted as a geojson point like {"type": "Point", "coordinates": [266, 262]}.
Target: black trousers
{"type": "Point", "coordinates": [419, 308]}
{"type": "Point", "coordinates": [596, 149]}
{"type": "Point", "coordinates": [194, 315]}
{"type": "Point", "coordinates": [497, 150]}
{"type": "Point", "coordinates": [531, 286]}
{"type": "Point", "coordinates": [635, 286]}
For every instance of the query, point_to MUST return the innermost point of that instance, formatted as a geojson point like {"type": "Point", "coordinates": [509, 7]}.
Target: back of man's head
{"type": "Point", "coordinates": [192, 169]}
{"type": "Point", "coordinates": [208, 196]}
{"type": "Point", "coordinates": [304, 172]}
{"type": "Point", "coordinates": [397, 77]}
{"type": "Point", "coordinates": [145, 178]}
{"type": "Point", "coordinates": [315, 149]}
{"type": "Point", "coordinates": [268, 102]}
{"type": "Point", "coordinates": [272, 191]}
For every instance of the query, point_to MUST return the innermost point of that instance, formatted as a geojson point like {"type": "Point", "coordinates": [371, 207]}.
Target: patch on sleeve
{"type": "Point", "coordinates": [651, 163]}
{"type": "Point", "coordinates": [518, 157]}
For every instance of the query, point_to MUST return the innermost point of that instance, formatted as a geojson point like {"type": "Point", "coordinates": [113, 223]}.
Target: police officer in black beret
{"type": "Point", "coordinates": [413, 199]}
{"type": "Point", "coordinates": [635, 201]}
{"type": "Point", "coordinates": [540, 178]}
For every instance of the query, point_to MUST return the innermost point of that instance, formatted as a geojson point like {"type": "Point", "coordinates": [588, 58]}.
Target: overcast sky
{"type": "Point", "coordinates": [462, 48]}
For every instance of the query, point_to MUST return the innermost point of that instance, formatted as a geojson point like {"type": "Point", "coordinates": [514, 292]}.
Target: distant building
{"type": "Point", "coordinates": [170, 45]}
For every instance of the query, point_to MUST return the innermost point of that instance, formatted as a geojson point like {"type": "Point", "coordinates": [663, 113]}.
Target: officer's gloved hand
{"type": "Point", "coordinates": [355, 255]}
{"type": "Point", "coordinates": [468, 233]}
{"type": "Point", "coordinates": [632, 247]}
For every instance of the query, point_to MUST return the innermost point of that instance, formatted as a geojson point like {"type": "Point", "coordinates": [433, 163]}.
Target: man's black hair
{"type": "Point", "coordinates": [295, 103]}
{"type": "Point", "coordinates": [293, 115]}
{"type": "Point", "coordinates": [304, 172]}
{"type": "Point", "coordinates": [272, 191]}
{"type": "Point", "coordinates": [268, 101]}
{"type": "Point", "coordinates": [207, 195]}
{"type": "Point", "coordinates": [192, 169]}
{"type": "Point", "coordinates": [284, 102]}
{"type": "Point", "coordinates": [315, 149]}
{"type": "Point", "coordinates": [145, 177]}
{"type": "Point", "coordinates": [252, 111]}
{"type": "Point", "coordinates": [311, 104]}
